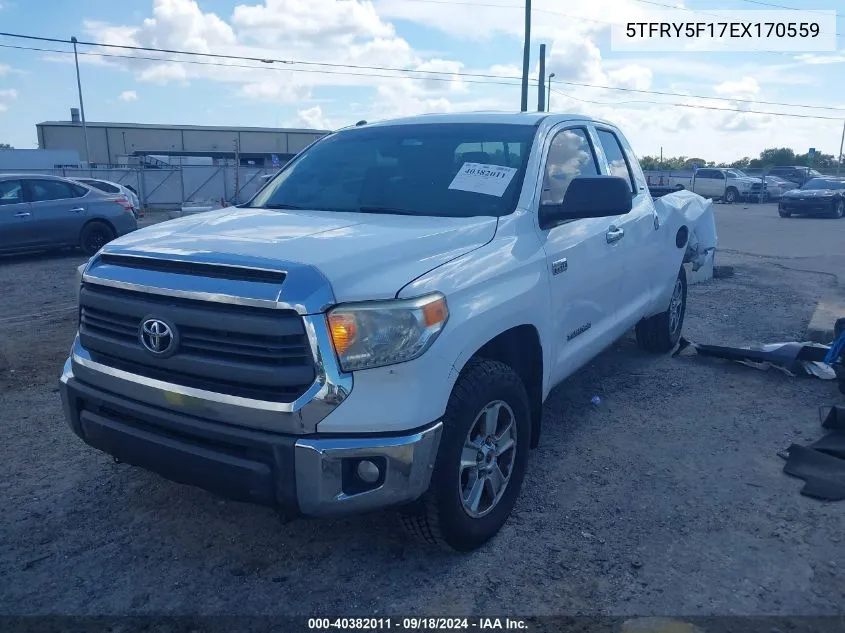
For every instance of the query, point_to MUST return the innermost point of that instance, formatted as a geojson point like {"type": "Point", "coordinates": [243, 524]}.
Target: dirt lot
{"type": "Point", "coordinates": [667, 498]}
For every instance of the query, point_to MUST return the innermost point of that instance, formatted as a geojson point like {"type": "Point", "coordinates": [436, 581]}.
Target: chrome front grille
{"type": "Point", "coordinates": [239, 350]}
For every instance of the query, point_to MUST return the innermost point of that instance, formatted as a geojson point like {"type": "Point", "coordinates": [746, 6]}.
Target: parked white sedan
{"type": "Point", "coordinates": [776, 187]}
{"type": "Point", "coordinates": [112, 187]}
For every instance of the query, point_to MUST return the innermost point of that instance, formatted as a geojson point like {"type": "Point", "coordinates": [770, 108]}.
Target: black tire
{"type": "Point", "coordinates": [658, 333]}
{"type": "Point", "coordinates": [731, 195]}
{"type": "Point", "coordinates": [838, 210]}
{"type": "Point", "coordinates": [439, 517]}
{"type": "Point", "coordinates": [784, 214]}
{"type": "Point", "coordinates": [94, 236]}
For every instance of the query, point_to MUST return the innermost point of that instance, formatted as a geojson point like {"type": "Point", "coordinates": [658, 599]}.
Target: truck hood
{"type": "Point", "coordinates": [364, 256]}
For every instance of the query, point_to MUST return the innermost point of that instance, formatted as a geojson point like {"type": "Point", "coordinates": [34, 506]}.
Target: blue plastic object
{"type": "Point", "coordinates": [835, 350]}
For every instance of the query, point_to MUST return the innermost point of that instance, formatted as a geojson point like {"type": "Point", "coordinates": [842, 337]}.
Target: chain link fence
{"type": "Point", "coordinates": [171, 187]}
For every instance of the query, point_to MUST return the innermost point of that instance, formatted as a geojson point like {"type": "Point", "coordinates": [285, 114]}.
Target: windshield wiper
{"type": "Point", "coordinates": [387, 210]}
{"type": "Point", "coordinates": [280, 205]}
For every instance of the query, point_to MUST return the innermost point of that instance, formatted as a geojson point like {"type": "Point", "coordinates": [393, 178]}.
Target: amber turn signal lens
{"type": "Point", "coordinates": [343, 331]}
{"type": "Point", "coordinates": [435, 312]}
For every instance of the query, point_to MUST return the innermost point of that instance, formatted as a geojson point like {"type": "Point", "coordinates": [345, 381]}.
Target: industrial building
{"type": "Point", "coordinates": [136, 143]}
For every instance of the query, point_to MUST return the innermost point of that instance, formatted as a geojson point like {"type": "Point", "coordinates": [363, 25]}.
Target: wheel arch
{"type": "Point", "coordinates": [99, 220]}
{"type": "Point", "coordinates": [519, 348]}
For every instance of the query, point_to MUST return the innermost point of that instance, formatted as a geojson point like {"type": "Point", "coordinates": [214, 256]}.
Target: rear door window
{"type": "Point", "coordinates": [43, 190]}
{"type": "Point", "coordinates": [616, 158]}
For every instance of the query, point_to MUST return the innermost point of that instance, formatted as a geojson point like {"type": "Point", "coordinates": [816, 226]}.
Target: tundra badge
{"type": "Point", "coordinates": [559, 266]}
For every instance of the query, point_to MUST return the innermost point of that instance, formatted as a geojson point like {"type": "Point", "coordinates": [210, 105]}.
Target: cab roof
{"type": "Point", "coordinates": [512, 118]}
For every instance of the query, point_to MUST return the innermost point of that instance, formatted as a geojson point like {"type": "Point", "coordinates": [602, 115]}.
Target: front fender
{"type": "Point", "coordinates": [489, 291]}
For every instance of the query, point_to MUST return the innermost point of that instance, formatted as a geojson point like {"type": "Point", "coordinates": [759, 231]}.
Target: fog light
{"type": "Point", "coordinates": [368, 471]}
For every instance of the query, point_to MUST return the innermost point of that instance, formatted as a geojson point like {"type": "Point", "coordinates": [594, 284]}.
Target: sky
{"type": "Point", "coordinates": [449, 37]}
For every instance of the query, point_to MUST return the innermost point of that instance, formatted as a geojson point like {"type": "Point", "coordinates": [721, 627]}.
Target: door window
{"type": "Point", "coordinates": [11, 192]}
{"type": "Point", "coordinates": [616, 157]}
{"type": "Point", "coordinates": [54, 190]}
{"type": "Point", "coordinates": [570, 156]}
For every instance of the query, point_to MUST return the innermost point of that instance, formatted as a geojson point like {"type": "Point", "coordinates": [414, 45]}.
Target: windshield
{"type": "Point", "coordinates": [822, 183]}
{"type": "Point", "coordinates": [735, 173]}
{"type": "Point", "coordinates": [426, 169]}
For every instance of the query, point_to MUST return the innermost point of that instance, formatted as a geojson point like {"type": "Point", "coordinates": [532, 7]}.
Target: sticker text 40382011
{"type": "Point", "coordinates": [491, 180]}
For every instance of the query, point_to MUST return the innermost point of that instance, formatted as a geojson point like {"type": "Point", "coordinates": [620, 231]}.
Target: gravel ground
{"type": "Point", "coordinates": [667, 498]}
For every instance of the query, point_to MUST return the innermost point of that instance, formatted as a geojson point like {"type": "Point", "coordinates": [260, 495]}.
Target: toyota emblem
{"type": "Point", "coordinates": [157, 337]}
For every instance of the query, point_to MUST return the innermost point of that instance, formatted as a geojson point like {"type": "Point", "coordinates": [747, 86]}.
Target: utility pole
{"type": "Point", "coordinates": [526, 55]}
{"type": "Point", "coordinates": [541, 84]}
{"type": "Point", "coordinates": [549, 94]}
{"type": "Point", "coordinates": [81, 107]}
{"type": "Point", "coordinates": [237, 171]}
{"type": "Point", "coordinates": [841, 143]}
{"type": "Point", "coordinates": [661, 157]}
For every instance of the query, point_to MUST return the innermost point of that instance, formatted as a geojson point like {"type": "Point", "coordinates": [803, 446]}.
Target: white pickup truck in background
{"type": "Point", "coordinates": [718, 183]}
{"type": "Point", "coordinates": [380, 325]}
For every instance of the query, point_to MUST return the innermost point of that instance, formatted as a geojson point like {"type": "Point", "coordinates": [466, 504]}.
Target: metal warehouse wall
{"type": "Point", "coordinates": [109, 143]}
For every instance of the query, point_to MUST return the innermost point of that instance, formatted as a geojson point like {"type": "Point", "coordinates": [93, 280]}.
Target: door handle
{"type": "Point", "coordinates": [77, 210]}
{"type": "Point", "coordinates": [23, 214]}
{"type": "Point", "coordinates": [614, 234]}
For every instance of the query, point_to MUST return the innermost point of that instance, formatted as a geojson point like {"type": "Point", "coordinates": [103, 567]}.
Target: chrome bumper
{"type": "Point", "coordinates": [325, 483]}
{"type": "Point", "coordinates": [315, 476]}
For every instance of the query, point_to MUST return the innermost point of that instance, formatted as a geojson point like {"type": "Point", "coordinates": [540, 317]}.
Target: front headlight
{"type": "Point", "coordinates": [377, 333]}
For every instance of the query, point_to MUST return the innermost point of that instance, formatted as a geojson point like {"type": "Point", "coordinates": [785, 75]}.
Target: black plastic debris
{"type": "Point", "coordinates": [822, 464]}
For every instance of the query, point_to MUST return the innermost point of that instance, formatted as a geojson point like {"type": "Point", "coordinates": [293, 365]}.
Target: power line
{"type": "Point", "coordinates": [432, 73]}
{"type": "Point", "coordinates": [716, 15]}
{"type": "Point", "coordinates": [699, 106]}
{"type": "Point", "coordinates": [781, 6]}
{"type": "Point", "coordinates": [245, 66]}
{"type": "Point", "coordinates": [514, 6]}
{"type": "Point", "coordinates": [428, 75]}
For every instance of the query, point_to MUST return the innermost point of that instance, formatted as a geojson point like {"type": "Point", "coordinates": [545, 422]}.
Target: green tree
{"type": "Point", "coordinates": [778, 156]}
{"type": "Point", "coordinates": [742, 163]}
{"type": "Point", "coordinates": [6, 146]}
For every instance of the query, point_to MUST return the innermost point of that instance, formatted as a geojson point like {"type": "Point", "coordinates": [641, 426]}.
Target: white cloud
{"type": "Point", "coordinates": [6, 95]}
{"type": "Point", "coordinates": [303, 20]}
{"type": "Point", "coordinates": [313, 118]}
{"type": "Point", "coordinates": [163, 74]}
{"type": "Point", "coordinates": [128, 95]}
{"type": "Point", "coordinates": [747, 86]}
{"type": "Point", "coordinates": [277, 91]}
{"type": "Point", "coordinates": [4, 68]}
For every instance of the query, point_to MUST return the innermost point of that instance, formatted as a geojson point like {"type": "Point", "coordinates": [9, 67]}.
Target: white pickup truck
{"type": "Point", "coordinates": [380, 325]}
{"type": "Point", "coordinates": [729, 185]}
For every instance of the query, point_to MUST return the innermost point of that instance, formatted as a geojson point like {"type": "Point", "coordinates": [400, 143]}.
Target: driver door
{"type": "Point", "coordinates": [582, 267]}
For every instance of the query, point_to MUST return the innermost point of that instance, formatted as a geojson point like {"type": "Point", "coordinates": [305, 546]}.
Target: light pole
{"type": "Point", "coordinates": [549, 94]}
{"type": "Point", "coordinates": [526, 55]}
{"type": "Point", "coordinates": [841, 143]}
{"type": "Point", "coordinates": [81, 107]}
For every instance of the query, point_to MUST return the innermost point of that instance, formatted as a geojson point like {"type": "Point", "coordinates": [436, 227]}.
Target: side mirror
{"type": "Point", "coordinates": [589, 197]}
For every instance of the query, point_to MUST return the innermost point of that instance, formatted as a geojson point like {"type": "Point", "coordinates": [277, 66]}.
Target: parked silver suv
{"type": "Point", "coordinates": [39, 212]}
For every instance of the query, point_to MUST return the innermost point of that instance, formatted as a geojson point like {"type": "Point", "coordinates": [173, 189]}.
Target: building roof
{"type": "Point", "coordinates": [206, 128]}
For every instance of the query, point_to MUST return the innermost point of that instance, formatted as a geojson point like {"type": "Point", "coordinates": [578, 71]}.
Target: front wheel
{"type": "Point", "coordinates": [784, 214]}
{"type": "Point", "coordinates": [662, 332]}
{"type": "Point", "coordinates": [481, 461]}
{"type": "Point", "coordinates": [838, 209]}
{"type": "Point", "coordinates": [731, 195]}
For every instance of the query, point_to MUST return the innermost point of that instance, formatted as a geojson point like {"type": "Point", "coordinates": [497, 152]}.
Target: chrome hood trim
{"type": "Point", "coordinates": [304, 289]}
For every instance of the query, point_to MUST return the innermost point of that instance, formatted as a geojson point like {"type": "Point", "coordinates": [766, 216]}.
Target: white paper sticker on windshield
{"type": "Point", "coordinates": [491, 180]}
